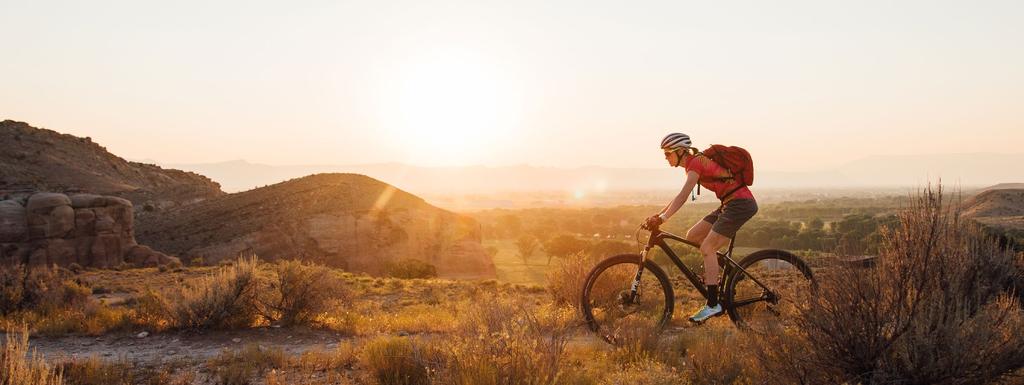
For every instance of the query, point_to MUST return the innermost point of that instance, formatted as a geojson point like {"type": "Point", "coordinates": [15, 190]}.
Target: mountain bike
{"type": "Point", "coordinates": [630, 293]}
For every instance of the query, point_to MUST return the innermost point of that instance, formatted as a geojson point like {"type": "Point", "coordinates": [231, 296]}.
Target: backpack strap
{"type": "Point", "coordinates": [721, 179]}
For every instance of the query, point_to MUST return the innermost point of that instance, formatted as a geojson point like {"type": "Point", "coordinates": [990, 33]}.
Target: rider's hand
{"type": "Point", "coordinates": [653, 221]}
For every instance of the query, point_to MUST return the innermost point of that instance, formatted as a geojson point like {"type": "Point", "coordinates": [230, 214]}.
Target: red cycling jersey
{"type": "Point", "coordinates": [710, 174]}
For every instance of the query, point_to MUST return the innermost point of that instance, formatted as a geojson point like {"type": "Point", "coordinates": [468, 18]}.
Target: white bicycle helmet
{"type": "Point", "coordinates": [675, 141]}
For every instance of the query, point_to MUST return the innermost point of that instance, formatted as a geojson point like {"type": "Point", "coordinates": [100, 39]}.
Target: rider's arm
{"type": "Point", "coordinates": [691, 180]}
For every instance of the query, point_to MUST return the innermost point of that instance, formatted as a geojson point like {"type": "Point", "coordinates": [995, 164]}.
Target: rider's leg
{"type": "Point", "coordinates": [711, 244]}
{"type": "Point", "coordinates": [709, 248]}
{"type": "Point", "coordinates": [699, 231]}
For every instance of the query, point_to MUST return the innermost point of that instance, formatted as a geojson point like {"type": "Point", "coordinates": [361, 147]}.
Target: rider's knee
{"type": "Point", "coordinates": [707, 249]}
{"type": "Point", "coordinates": [696, 234]}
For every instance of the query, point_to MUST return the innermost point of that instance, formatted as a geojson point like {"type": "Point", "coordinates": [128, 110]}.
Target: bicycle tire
{"type": "Point", "coordinates": [602, 298]}
{"type": "Point", "coordinates": [789, 279]}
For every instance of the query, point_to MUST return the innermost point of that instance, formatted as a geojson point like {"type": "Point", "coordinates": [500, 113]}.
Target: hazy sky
{"type": "Point", "coordinates": [802, 84]}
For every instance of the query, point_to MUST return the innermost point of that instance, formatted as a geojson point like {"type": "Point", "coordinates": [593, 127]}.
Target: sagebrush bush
{"type": "Point", "coordinates": [565, 280]}
{"type": "Point", "coordinates": [46, 298]}
{"type": "Point", "coordinates": [934, 310]}
{"type": "Point", "coordinates": [409, 269]}
{"type": "Point", "coordinates": [300, 292]}
{"type": "Point", "coordinates": [225, 299]}
{"type": "Point", "coordinates": [19, 367]}
{"type": "Point", "coordinates": [40, 288]}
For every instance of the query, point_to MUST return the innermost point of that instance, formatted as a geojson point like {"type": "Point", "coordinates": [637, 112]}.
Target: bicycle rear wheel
{"type": "Point", "coordinates": [606, 303]}
{"type": "Point", "coordinates": [768, 291]}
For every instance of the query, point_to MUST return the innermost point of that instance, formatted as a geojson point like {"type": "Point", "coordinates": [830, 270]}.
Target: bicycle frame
{"type": "Point", "coordinates": [725, 262]}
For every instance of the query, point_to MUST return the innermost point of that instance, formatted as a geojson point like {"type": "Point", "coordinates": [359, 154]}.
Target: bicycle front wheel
{"type": "Point", "coordinates": [613, 312]}
{"type": "Point", "coordinates": [768, 291]}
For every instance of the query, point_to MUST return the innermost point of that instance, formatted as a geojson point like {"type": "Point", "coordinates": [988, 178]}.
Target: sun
{"type": "Point", "coordinates": [448, 108]}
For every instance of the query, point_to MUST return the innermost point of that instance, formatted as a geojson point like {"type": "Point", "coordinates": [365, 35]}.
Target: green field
{"type": "Point", "coordinates": [510, 267]}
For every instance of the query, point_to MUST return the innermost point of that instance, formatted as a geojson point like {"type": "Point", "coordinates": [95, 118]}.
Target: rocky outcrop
{"type": "Point", "coordinates": [86, 229]}
{"type": "Point", "coordinates": [34, 159]}
{"type": "Point", "coordinates": [346, 220]}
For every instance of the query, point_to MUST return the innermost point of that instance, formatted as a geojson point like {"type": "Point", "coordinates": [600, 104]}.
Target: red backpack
{"type": "Point", "coordinates": [734, 159]}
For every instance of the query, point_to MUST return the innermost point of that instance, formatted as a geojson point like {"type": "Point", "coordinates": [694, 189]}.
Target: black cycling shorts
{"type": "Point", "coordinates": [728, 219]}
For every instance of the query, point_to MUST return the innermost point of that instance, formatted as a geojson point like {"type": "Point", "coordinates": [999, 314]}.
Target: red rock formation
{"type": "Point", "coordinates": [90, 230]}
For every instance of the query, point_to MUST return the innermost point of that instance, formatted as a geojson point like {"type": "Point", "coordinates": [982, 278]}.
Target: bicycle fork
{"type": "Point", "coordinates": [634, 289]}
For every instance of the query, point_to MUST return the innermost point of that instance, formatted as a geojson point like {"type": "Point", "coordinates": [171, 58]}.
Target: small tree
{"type": "Point", "coordinates": [564, 245]}
{"type": "Point", "coordinates": [527, 245]}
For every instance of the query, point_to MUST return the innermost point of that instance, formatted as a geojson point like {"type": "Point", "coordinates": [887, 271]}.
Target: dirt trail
{"type": "Point", "coordinates": [176, 346]}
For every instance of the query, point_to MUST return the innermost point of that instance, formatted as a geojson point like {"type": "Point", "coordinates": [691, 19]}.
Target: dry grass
{"type": "Point", "coordinates": [504, 341]}
{"type": "Point", "coordinates": [397, 361]}
{"type": "Point", "coordinates": [48, 299]}
{"type": "Point", "coordinates": [241, 367]}
{"type": "Point", "coordinates": [715, 357]}
{"type": "Point", "coordinates": [18, 366]}
{"type": "Point", "coordinates": [94, 371]}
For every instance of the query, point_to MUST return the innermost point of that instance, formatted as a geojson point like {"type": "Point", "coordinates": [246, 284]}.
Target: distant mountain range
{"type": "Point", "coordinates": [979, 169]}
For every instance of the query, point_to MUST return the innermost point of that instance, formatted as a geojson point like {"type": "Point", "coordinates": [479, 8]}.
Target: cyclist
{"type": "Point", "coordinates": [714, 231]}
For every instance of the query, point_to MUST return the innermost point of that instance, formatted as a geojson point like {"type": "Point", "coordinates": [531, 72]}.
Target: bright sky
{"type": "Point", "coordinates": [801, 84]}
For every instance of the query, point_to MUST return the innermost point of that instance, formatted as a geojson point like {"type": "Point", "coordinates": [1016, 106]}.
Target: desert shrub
{"type": "Point", "coordinates": [47, 299]}
{"type": "Point", "coordinates": [226, 299]}
{"type": "Point", "coordinates": [18, 366]}
{"type": "Point", "coordinates": [152, 311]}
{"type": "Point", "coordinates": [396, 361]}
{"type": "Point", "coordinates": [41, 288]}
{"type": "Point", "coordinates": [565, 280]}
{"type": "Point", "coordinates": [934, 310]}
{"type": "Point", "coordinates": [12, 288]}
{"type": "Point", "coordinates": [503, 341]}
{"type": "Point", "coordinates": [300, 292]}
{"type": "Point", "coordinates": [92, 318]}
{"type": "Point", "coordinates": [410, 268]}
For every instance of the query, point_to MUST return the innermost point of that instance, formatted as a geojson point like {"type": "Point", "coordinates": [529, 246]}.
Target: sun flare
{"type": "Point", "coordinates": [448, 108]}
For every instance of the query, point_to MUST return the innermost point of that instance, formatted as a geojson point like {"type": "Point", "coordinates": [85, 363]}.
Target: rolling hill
{"type": "Point", "coordinates": [345, 220]}
{"type": "Point", "coordinates": [36, 159]}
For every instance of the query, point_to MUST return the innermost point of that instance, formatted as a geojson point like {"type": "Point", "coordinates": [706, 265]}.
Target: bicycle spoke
{"type": "Point", "coordinates": [617, 318]}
